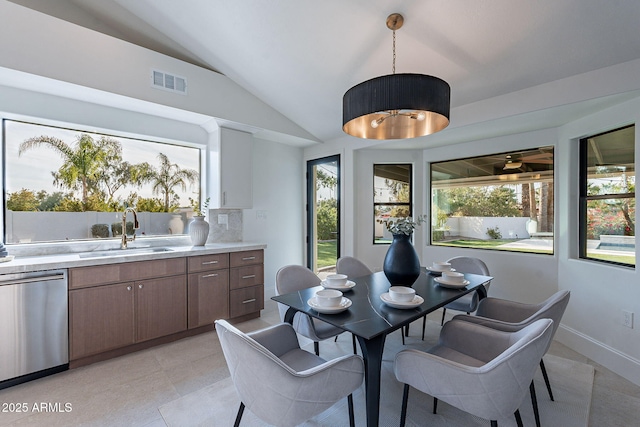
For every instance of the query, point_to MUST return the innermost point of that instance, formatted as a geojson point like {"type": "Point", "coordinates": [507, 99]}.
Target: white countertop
{"type": "Point", "coordinates": [26, 264]}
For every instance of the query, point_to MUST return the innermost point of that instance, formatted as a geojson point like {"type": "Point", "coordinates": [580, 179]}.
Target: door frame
{"type": "Point", "coordinates": [311, 251]}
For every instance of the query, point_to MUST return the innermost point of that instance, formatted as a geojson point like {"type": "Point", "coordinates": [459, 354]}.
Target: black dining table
{"type": "Point", "coordinates": [371, 320]}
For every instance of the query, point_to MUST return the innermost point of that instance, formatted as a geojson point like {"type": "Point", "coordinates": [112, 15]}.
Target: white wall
{"type": "Point", "coordinates": [277, 217]}
{"type": "Point", "coordinates": [592, 323]}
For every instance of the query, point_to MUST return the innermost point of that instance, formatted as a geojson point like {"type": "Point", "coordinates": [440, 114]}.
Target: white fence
{"type": "Point", "coordinates": [26, 227]}
{"type": "Point", "coordinates": [475, 227]}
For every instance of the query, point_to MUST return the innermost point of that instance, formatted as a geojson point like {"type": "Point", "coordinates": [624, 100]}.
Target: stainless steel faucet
{"type": "Point", "coordinates": [126, 239]}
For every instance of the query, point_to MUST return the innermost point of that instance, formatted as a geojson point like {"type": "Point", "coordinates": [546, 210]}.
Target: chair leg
{"type": "Point", "coordinates": [546, 379]}
{"type": "Point", "coordinates": [353, 341]}
{"type": "Point", "coordinates": [336, 339]}
{"type": "Point", "coordinates": [424, 326]}
{"type": "Point", "coordinates": [352, 418]}
{"type": "Point", "coordinates": [518, 418]}
{"type": "Point", "coordinates": [444, 310]}
{"type": "Point", "coordinates": [534, 403]}
{"type": "Point", "coordinates": [435, 405]}
{"type": "Point", "coordinates": [402, 335]}
{"type": "Point", "coordinates": [403, 412]}
{"type": "Point", "coordinates": [406, 330]}
{"type": "Point", "coordinates": [239, 416]}
{"type": "Point", "coordinates": [316, 347]}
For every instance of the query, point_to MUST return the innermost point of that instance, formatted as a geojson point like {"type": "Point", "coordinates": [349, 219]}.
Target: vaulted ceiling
{"type": "Point", "coordinates": [301, 56]}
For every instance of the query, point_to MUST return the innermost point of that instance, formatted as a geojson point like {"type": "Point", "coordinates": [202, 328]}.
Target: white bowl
{"type": "Point", "coordinates": [402, 293]}
{"type": "Point", "coordinates": [329, 298]}
{"type": "Point", "coordinates": [337, 279]}
{"type": "Point", "coordinates": [453, 276]}
{"type": "Point", "coordinates": [441, 266]}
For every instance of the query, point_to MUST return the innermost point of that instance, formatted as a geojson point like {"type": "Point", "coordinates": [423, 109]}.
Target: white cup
{"type": "Point", "coordinates": [453, 276]}
{"type": "Point", "coordinates": [441, 266]}
{"type": "Point", "coordinates": [337, 279]}
{"type": "Point", "coordinates": [402, 293]}
{"type": "Point", "coordinates": [328, 298]}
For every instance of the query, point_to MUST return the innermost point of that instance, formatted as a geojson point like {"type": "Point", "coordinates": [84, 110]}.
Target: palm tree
{"type": "Point", "coordinates": [168, 176]}
{"type": "Point", "coordinates": [82, 160]}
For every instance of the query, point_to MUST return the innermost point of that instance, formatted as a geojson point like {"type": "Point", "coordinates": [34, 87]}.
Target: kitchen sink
{"type": "Point", "coordinates": [123, 252]}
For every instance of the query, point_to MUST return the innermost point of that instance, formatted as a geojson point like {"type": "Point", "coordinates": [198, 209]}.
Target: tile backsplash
{"type": "Point", "coordinates": [225, 229]}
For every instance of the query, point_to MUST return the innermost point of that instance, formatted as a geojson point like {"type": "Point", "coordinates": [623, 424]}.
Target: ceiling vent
{"type": "Point", "coordinates": [170, 82]}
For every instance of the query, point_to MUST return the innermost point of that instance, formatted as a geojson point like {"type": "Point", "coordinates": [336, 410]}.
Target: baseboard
{"type": "Point", "coordinates": [612, 359]}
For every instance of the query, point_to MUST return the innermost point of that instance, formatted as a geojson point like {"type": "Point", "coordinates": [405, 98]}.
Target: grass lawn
{"type": "Point", "coordinates": [624, 259]}
{"type": "Point", "coordinates": [327, 253]}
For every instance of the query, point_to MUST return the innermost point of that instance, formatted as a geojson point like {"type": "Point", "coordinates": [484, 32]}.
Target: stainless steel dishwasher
{"type": "Point", "coordinates": [34, 338]}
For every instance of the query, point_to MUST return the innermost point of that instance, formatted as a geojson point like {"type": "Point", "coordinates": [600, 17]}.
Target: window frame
{"type": "Point", "coordinates": [585, 198]}
{"type": "Point", "coordinates": [479, 181]}
{"type": "Point", "coordinates": [78, 128]}
{"type": "Point", "coordinates": [409, 204]}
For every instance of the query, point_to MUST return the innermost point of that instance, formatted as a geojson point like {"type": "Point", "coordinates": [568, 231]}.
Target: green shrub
{"type": "Point", "coordinates": [494, 233]}
{"type": "Point", "coordinates": [100, 230]}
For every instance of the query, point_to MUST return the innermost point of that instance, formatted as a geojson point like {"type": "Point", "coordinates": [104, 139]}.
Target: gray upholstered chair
{"type": "Point", "coordinates": [280, 383]}
{"type": "Point", "coordinates": [352, 267]}
{"type": "Point", "coordinates": [469, 302]}
{"type": "Point", "coordinates": [511, 316]}
{"type": "Point", "coordinates": [480, 370]}
{"type": "Point", "coordinates": [292, 278]}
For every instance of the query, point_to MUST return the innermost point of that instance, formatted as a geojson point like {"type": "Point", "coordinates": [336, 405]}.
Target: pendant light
{"type": "Point", "coordinates": [396, 106]}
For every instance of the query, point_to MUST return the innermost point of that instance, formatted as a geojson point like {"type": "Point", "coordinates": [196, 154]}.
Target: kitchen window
{"type": "Point", "coordinates": [608, 197]}
{"type": "Point", "coordinates": [501, 201]}
{"type": "Point", "coordinates": [392, 188]}
{"type": "Point", "coordinates": [64, 184]}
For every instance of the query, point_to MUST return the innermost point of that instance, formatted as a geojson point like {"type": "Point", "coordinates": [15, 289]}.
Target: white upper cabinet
{"type": "Point", "coordinates": [233, 171]}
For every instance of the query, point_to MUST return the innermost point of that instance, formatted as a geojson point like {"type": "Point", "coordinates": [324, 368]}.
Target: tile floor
{"type": "Point", "coordinates": [130, 390]}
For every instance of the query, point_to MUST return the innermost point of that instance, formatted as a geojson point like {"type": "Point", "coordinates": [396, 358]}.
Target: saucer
{"type": "Point", "coordinates": [345, 287]}
{"type": "Point", "coordinates": [344, 304]}
{"type": "Point", "coordinates": [438, 272]}
{"type": "Point", "coordinates": [417, 300]}
{"type": "Point", "coordinates": [452, 285]}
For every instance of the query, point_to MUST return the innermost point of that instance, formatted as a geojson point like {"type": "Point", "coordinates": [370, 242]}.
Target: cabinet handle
{"type": "Point", "coordinates": [128, 288]}
{"type": "Point", "coordinates": [140, 286]}
{"type": "Point", "coordinates": [209, 262]}
{"type": "Point", "coordinates": [251, 276]}
{"type": "Point", "coordinates": [210, 275]}
{"type": "Point", "coordinates": [247, 301]}
{"type": "Point", "coordinates": [249, 258]}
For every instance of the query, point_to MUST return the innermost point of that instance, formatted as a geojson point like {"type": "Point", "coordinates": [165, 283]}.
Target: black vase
{"type": "Point", "coordinates": [401, 264]}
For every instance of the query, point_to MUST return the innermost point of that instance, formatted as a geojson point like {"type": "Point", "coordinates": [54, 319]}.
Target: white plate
{"type": "Point", "coordinates": [431, 270]}
{"type": "Point", "coordinates": [346, 287]}
{"type": "Point", "coordinates": [452, 285]}
{"type": "Point", "coordinates": [344, 304]}
{"type": "Point", "coordinates": [417, 300]}
{"type": "Point", "coordinates": [7, 258]}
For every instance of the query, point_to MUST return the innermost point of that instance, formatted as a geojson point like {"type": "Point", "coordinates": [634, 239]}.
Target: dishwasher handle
{"type": "Point", "coordinates": [31, 279]}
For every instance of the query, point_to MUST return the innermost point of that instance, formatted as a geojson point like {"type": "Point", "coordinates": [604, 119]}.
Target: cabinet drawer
{"type": "Point", "coordinates": [82, 277]}
{"type": "Point", "coordinates": [242, 277]}
{"type": "Point", "coordinates": [246, 300]}
{"type": "Point", "coordinates": [238, 259]}
{"type": "Point", "coordinates": [208, 262]}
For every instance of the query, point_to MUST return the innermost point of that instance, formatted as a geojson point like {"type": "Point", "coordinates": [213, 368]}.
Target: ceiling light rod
{"type": "Point", "coordinates": [409, 105]}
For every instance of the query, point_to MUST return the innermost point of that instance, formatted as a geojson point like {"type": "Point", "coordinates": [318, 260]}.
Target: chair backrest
{"type": "Point", "coordinates": [553, 308]}
{"type": "Point", "coordinates": [352, 267]}
{"type": "Point", "coordinates": [471, 265]}
{"type": "Point", "coordinates": [292, 278]}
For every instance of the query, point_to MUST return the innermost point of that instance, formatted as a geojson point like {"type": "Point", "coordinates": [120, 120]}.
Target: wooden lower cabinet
{"type": "Point", "coordinates": [101, 318]}
{"type": "Point", "coordinates": [161, 307]}
{"type": "Point", "coordinates": [208, 297]}
{"type": "Point", "coordinates": [115, 308]}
